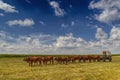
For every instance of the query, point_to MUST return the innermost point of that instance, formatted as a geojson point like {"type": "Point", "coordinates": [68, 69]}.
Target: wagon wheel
{"type": "Point", "coordinates": [103, 59]}
{"type": "Point", "coordinates": [110, 59]}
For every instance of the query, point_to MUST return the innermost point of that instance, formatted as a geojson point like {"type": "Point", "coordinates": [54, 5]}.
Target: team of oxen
{"type": "Point", "coordinates": [39, 60]}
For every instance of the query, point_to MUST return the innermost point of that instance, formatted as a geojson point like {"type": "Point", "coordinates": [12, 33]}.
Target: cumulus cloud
{"type": "Point", "coordinates": [69, 41]}
{"type": "Point", "coordinates": [115, 38]}
{"type": "Point", "coordinates": [58, 11]}
{"type": "Point", "coordinates": [100, 34]}
{"type": "Point", "coordinates": [109, 10]}
{"type": "Point", "coordinates": [7, 7]}
{"type": "Point", "coordinates": [33, 43]}
{"type": "Point", "coordinates": [72, 23]}
{"type": "Point", "coordinates": [41, 22]}
{"type": "Point", "coordinates": [25, 22]}
{"type": "Point", "coordinates": [28, 1]}
{"type": "Point", "coordinates": [5, 36]}
{"type": "Point", "coordinates": [113, 41]}
{"type": "Point", "coordinates": [115, 33]}
{"type": "Point", "coordinates": [70, 6]}
{"type": "Point", "coordinates": [67, 44]}
{"type": "Point", "coordinates": [1, 14]}
{"type": "Point", "coordinates": [65, 25]}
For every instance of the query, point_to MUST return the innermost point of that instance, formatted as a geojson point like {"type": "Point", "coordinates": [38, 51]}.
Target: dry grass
{"type": "Point", "coordinates": [16, 69]}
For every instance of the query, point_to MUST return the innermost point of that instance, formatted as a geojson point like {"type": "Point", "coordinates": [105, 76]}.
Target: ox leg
{"type": "Point", "coordinates": [31, 64]}
{"type": "Point", "coordinates": [98, 60]}
{"type": "Point", "coordinates": [84, 60]}
{"type": "Point", "coordinates": [46, 62]}
{"type": "Point", "coordinates": [90, 60]}
{"type": "Point", "coordinates": [80, 60]}
{"type": "Point", "coordinates": [39, 63]}
{"type": "Point", "coordinates": [65, 62]}
{"type": "Point", "coordinates": [34, 63]}
{"type": "Point", "coordinates": [69, 61]}
{"type": "Point", "coordinates": [93, 60]}
{"type": "Point", "coordinates": [72, 61]}
{"type": "Point", "coordinates": [52, 62]}
{"type": "Point", "coordinates": [43, 62]}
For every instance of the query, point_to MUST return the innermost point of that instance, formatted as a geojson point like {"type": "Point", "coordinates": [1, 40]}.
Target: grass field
{"type": "Point", "coordinates": [13, 68]}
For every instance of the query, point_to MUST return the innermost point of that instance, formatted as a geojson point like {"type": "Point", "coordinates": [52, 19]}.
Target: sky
{"type": "Point", "coordinates": [59, 26]}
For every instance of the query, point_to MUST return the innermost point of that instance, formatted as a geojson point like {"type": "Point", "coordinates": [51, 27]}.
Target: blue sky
{"type": "Point", "coordinates": [59, 26]}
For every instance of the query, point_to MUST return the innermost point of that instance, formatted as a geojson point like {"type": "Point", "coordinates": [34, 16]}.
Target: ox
{"type": "Point", "coordinates": [47, 59]}
{"type": "Point", "coordinates": [62, 60]}
{"type": "Point", "coordinates": [86, 58]}
{"type": "Point", "coordinates": [96, 58]}
{"type": "Point", "coordinates": [33, 60]}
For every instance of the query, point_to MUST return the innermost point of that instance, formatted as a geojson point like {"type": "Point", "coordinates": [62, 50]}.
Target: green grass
{"type": "Point", "coordinates": [15, 69]}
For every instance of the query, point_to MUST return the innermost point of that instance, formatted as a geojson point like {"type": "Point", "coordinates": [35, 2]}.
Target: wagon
{"type": "Point", "coordinates": [106, 56]}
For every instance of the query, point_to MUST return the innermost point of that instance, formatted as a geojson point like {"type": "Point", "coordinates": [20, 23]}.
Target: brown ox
{"type": "Point", "coordinates": [62, 60]}
{"type": "Point", "coordinates": [96, 58]}
{"type": "Point", "coordinates": [47, 59]}
{"type": "Point", "coordinates": [32, 61]}
{"type": "Point", "coordinates": [86, 58]}
{"type": "Point", "coordinates": [75, 58]}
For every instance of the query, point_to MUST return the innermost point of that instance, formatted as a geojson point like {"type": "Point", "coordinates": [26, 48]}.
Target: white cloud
{"type": "Point", "coordinates": [25, 22]}
{"type": "Point", "coordinates": [67, 44]}
{"type": "Point", "coordinates": [41, 22]}
{"type": "Point", "coordinates": [115, 38]}
{"type": "Point", "coordinates": [108, 16]}
{"type": "Point", "coordinates": [1, 14]}
{"type": "Point", "coordinates": [72, 23]}
{"type": "Point", "coordinates": [28, 1]}
{"type": "Point", "coordinates": [5, 36]}
{"type": "Point", "coordinates": [70, 6]}
{"type": "Point", "coordinates": [69, 41]}
{"type": "Point", "coordinates": [64, 25]}
{"type": "Point", "coordinates": [109, 10]}
{"type": "Point", "coordinates": [115, 33]}
{"type": "Point", "coordinates": [112, 42]}
{"type": "Point", "coordinates": [72, 44]}
{"type": "Point", "coordinates": [101, 35]}
{"type": "Point", "coordinates": [7, 7]}
{"type": "Point", "coordinates": [34, 43]}
{"type": "Point", "coordinates": [58, 11]}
